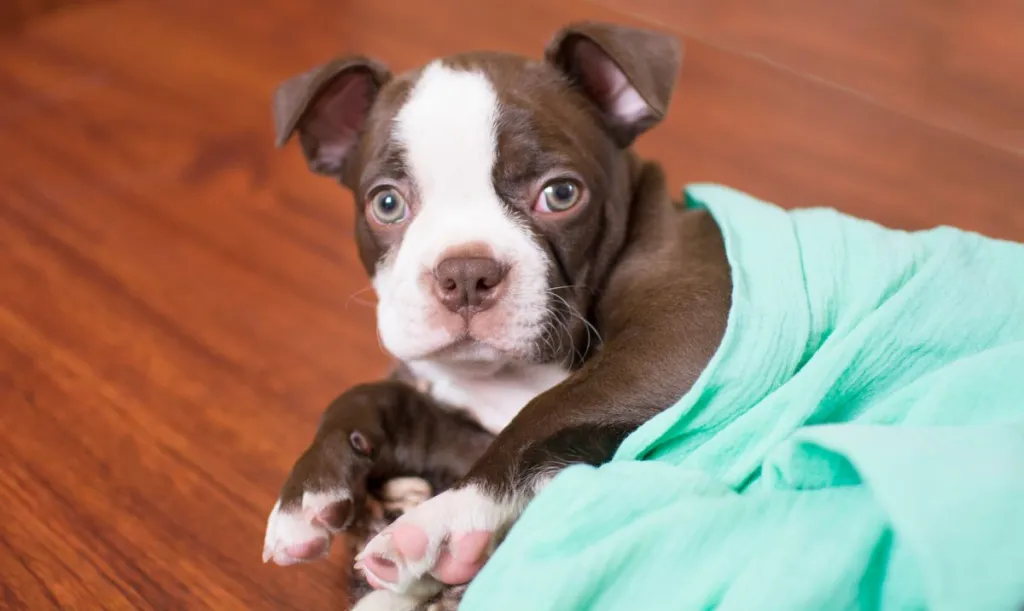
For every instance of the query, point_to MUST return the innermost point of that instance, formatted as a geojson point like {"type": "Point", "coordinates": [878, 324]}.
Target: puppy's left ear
{"type": "Point", "coordinates": [629, 73]}
{"type": "Point", "coordinates": [328, 107]}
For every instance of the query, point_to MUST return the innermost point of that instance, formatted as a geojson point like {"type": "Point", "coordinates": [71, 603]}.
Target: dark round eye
{"type": "Point", "coordinates": [559, 196]}
{"type": "Point", "coordinates": [387, 206]}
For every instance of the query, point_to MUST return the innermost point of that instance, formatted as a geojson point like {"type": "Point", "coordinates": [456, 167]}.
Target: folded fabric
{"type": "Point", "coordinates": [857, 442]}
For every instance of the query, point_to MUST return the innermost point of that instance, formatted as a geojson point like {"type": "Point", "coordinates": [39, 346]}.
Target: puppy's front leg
{"type": "Point", "coordinates": [369, 435]}
{"type": "Point", "coordinates": [662, 329]}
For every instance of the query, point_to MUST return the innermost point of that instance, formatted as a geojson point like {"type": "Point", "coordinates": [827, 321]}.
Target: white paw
{"type": "Point", "coordinates": [303, 533]}
{"type": "Point", "coordinates": [448, 537]}
{"type": "Point", "coordinates": [384, 600]}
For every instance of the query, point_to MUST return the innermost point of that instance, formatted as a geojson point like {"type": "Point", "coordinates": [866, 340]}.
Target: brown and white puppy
{"type": "Point", "coordinates": [531, 271]}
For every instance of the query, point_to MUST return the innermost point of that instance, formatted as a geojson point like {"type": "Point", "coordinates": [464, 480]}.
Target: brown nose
{"type": "Point", "coordinates": [468, 283]}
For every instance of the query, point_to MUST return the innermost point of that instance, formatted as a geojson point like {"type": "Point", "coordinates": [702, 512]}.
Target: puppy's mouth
{"type": "Point", "coordinates": [468, 350]}
{"type": "Point", "coordinates": [514, 330]}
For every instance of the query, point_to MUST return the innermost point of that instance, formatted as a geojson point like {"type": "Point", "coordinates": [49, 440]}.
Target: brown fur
{"type": "Point", "coordinates": [652, 279]}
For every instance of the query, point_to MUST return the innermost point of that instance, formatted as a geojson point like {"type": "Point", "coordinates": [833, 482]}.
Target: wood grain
{"type": "Point", "coordinates": [955, 64]}
{"type": "Point", "coordinates": [178, 300]}
{"type": "Point", "coordinates": [14, 13]}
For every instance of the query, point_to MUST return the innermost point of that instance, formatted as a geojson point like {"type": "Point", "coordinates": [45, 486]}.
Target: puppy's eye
{"type": "Point", "coordinates": [388, 207]}
{"type": "Point", "coordinates": [559, 196]}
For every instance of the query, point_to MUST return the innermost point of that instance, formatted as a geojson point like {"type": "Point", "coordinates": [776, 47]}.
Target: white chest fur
{"type": "Point", "coordinates": [493, 398]}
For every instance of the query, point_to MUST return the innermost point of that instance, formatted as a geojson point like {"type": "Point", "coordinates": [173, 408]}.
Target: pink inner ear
{"type": "Point", "coordinates": [340, 113]}
{"type": "Point", "coordinates": [608, 84]}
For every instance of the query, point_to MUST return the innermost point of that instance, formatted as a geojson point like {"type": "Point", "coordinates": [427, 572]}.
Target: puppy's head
{"type": "Point", "coordinates": [492, 191]}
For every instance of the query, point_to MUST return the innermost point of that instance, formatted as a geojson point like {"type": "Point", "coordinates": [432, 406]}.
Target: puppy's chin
{"type": "Point", "coordinates": [470, 352]}
{"type": "Point", "coordinates": [467, 347]}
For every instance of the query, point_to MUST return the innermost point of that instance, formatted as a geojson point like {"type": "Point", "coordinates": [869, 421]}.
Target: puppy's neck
{"type": "Point", "coordinates": [493, 394]}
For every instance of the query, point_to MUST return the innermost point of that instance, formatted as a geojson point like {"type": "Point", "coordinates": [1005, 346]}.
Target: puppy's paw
{"type": "Point", "coordinates": [384, 600]}
{"type": "Point", "coordinates": [302, 531]}
{"type": "Point", "coordinates": [324, 494]}
{"type": "Point", "coordinates": [448, 537]}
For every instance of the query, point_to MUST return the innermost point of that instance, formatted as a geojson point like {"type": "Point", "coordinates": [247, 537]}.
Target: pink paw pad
{"type": "Point", "coordinates": [458, 561]}
{"type": "Point", "coordinates": [463, 559]}
{"type": "Point", "coordinates": [308, 550]}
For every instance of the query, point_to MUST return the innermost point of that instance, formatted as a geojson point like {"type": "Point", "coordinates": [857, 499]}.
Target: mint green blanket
{"type": "Point", "coordinates": [856, 443]}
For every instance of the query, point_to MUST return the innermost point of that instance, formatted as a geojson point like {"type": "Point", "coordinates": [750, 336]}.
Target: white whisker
{"type": "Point", "coordinates": [572, 312]}
{"type": "Point", "coordinates": [353, 296]}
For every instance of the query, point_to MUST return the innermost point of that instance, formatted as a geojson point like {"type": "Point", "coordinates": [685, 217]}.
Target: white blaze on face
{"type": "Point", "coordinates": [447, 128]}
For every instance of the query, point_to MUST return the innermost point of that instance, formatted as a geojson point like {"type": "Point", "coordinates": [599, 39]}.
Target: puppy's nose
{"type": "Point", "coordinates": [470, 283]}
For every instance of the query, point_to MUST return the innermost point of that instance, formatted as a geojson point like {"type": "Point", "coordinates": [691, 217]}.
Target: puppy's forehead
{"type": "Point", "coordinates": [454, 117]}
{"type": "Point", "coordinates": [447, 128]}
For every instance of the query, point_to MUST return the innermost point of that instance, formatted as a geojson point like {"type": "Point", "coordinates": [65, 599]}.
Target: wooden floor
{"type": "Point", "coordinates": [178, 300]}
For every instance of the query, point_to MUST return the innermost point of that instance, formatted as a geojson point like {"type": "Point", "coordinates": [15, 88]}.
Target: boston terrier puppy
{"type": "Point", "coordinates": [540, 291]}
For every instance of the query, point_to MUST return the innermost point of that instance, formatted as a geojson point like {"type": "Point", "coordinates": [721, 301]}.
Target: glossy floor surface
{"type": "Point", "coordinates": [179, 300]}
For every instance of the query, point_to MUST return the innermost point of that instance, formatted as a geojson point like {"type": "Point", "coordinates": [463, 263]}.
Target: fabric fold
{"type": "Point", "coordinates": [857, 441]}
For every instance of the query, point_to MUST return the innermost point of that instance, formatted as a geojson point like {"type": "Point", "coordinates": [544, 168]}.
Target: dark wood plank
{"type": "Point", "coordinates": [735, 119]}
{"type": "Point", "coordinates": [15, 13]}
{"type": "Point", "coordinates": [177, 311]}
{"type": "Point", "coordinates": [178, 300]}
{"type": "Point", "coordinates": [955, 63]}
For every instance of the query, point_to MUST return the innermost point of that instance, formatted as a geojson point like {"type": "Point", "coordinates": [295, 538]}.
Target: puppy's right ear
{"type": "Point", "coordinates": [628, 72]}
{"type": "Point", "coordinates": [328, 106]}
